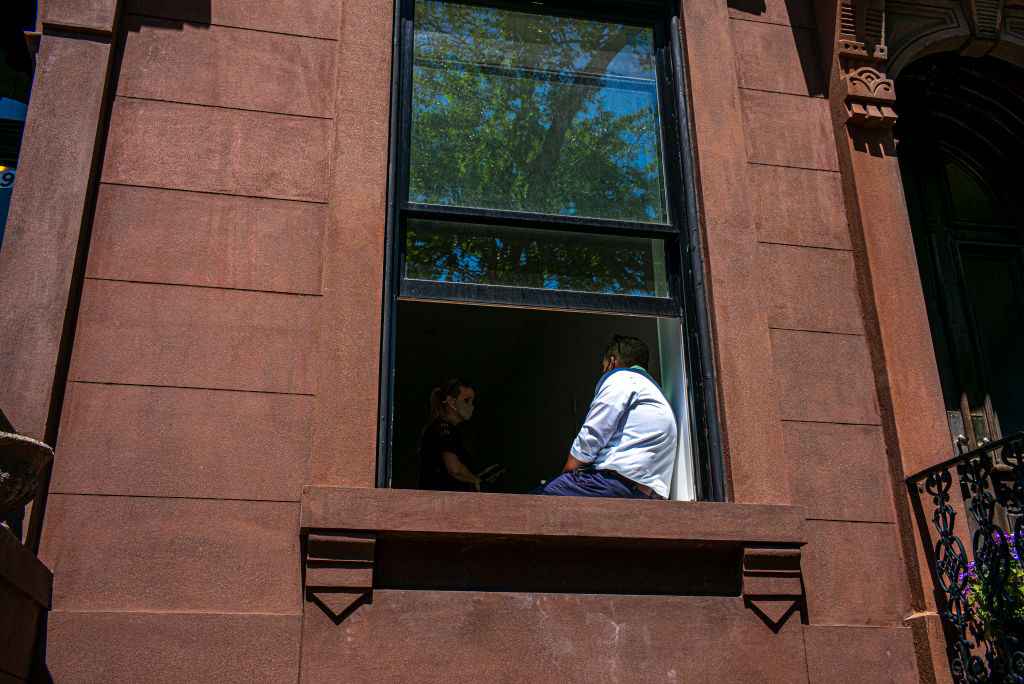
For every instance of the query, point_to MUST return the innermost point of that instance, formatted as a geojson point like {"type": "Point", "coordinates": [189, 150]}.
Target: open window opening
{"type": "Point", "coordinates": [538, 210]}
{"type": "Point", "coordinates": [533, 372]}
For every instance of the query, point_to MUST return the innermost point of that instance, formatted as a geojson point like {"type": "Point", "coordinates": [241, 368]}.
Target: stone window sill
{"type": "Point", "coordinates": [358, 540]}
{"type": "Point", "coordinates": [543, 517]}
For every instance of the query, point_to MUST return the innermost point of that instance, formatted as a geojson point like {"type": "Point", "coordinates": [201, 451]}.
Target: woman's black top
{"type": "Point", "coordinates": [440, 436]}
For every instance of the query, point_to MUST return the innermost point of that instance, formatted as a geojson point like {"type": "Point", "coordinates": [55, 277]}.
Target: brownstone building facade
{"type": "Point", "coordinates": [202, 309]}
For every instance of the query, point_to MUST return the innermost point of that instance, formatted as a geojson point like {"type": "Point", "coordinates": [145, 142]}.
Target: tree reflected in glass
{"type": "Point", "coordinates": [546, 114]}
{"type": "Point", "coordinates": [470, 253]}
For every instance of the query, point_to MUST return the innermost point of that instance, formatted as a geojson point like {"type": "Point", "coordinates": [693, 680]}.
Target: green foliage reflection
{"type": "Point", "coordinates": [534, 258]}
{"type": "Point", "coordinates": [525, 112]}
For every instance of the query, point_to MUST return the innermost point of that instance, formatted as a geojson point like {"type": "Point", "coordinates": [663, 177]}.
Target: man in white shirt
{"type": "Point", "coordinates": [627, 445]}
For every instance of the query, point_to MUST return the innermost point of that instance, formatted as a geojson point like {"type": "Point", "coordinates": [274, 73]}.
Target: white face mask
{"type": "Point", "coordinates": [463, 409]}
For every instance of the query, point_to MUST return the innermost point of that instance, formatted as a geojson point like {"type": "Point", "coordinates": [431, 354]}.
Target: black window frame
{"type": "Point", "coordinates": [686, 298]}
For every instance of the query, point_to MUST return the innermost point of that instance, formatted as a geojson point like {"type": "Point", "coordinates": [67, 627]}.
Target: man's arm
{"type": "Point", "coordinates": [571, 464]}
{"type": "Point", "coordinates": [602, 420]}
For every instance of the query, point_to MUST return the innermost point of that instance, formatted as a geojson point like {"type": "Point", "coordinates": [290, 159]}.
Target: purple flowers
{"type": "Point", "coordinates": [976, 591]}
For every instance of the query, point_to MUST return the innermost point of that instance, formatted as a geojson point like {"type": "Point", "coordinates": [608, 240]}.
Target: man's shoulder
{"type": "Point", "coordinates": [630, 377]}
{"type": "Point", "coordinates": [634, 380]}
{"type": "Point", "coordinates": [623, 380]}
{"type": "Point", "coordinates": [614, 380]}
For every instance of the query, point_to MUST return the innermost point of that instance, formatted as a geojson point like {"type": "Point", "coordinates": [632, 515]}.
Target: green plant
{"type": "Point", "coordinates": [983, 597]}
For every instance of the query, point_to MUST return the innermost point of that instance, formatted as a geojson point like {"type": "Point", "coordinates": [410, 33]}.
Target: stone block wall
{"type": "Point", "coordinates": [832, 433]}
{"type": "Point", "coordinates": [225, 354]}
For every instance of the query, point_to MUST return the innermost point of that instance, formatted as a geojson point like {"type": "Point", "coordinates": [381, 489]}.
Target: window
{"type": "Point", "coordinates": [538, 208]}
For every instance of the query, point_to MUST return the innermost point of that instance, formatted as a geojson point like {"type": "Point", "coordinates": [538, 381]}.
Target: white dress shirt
{"type": "Point", "coordinates": [630, 428]}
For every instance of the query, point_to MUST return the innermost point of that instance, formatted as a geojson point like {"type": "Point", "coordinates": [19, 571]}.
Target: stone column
{"type": "Point", "coordinates": [907, 381]}
{"type": "Point", "coordinates": [47, 229]}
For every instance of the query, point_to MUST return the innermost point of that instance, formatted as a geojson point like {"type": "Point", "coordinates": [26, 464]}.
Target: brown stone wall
{"type": "Point", "coordinates": [504, 637]}
{"type": "Point", "coordinates": [171, 524]}
{"type": "Point", "coordinates": [227, 352]}
{"type": "Point", "coordinates": [896, 322]}
{"type": "Point", "coordinates": [25, 591]}
{"type": "Point", "coordinates": [857, 596]}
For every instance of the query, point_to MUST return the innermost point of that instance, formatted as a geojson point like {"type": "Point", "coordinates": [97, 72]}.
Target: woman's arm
{"type": "Point", "coordinates": [459, 471]}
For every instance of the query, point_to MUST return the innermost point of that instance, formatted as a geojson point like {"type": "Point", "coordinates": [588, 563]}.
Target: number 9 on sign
{"type": "Point", "coordinates": [6, 177]}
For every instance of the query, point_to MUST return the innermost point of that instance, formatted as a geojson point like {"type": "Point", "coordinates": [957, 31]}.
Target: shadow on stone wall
{"type": "Point", "coordinates": [800, 15]}
{"type": "Point", "coordinates": [140, 13]}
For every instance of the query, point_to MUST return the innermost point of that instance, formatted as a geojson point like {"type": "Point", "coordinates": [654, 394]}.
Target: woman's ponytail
{"type": "Point", "coordinates": [436, 408]}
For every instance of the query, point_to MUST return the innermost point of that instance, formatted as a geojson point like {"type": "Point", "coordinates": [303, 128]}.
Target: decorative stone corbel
{"type": "Point", "coordinates": [339, 570]}
{"type": "Point", "coordinates": [772, 583]}
{"type": "Point", "coordinates": [985, 18]}
{"type": "Point", "coordinates": [862, 53]}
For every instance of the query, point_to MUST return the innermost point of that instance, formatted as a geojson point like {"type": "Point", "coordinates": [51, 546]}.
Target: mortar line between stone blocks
{"type": "Point", "coordinates": [772, 23]}
{"type": "Point", "coordinates": [201, 24]}
{"type": "Point", "coordinates": [795, 244]}
{"type": "Point", "coordinates": [122, 495]}
{"type": "Point", "coordinates": [846, 625]}
{"type": "Point", "coordinates": [793, 166]}
{"type": "Point", "coordinates": [227, 107]}
{"type": "Point", "coordinates": [846, 520]}
{"type": "Point", "coordinates": [189, 387]}
{"type": "Point", "coordinates": [827, 422]}
{"type": "Point", "coordinates": [171, 612]}
{"type": "Point", "coordinates": [205, 287]}
{"type": "Point", "coordinates": [823, 332]}
{"type": "Point", "coordinates": [213, 192]}
{"type": "Point", "coordinates": [782, 92]}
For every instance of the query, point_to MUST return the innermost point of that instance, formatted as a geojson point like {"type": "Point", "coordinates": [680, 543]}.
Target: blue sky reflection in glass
{"type": "Point", "coordinates": [450, 251]}
{"type": "Point", "coordinates": [537, 113]}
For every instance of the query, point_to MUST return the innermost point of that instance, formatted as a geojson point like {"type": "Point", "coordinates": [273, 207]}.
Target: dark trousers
{"type": "Point", "coordinates": [586, 481]}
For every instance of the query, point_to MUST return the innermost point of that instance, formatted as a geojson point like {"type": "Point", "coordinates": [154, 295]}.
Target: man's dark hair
{"type": "Point", "coordinates": [630, 351]}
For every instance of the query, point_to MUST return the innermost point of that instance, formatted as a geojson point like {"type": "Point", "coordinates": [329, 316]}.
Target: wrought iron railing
{"type": "Point", "coordinates": [984, 595]}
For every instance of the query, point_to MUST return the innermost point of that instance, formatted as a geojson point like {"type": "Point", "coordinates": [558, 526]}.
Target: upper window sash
{"type": "Point", "coordinates": [517, 111]}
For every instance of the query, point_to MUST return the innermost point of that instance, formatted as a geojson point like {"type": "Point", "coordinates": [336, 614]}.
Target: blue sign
{"type": "Point", "coordinates": [6, 190]}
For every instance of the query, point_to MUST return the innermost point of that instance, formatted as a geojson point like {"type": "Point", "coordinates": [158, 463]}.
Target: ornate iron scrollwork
{"type": "Point", "coordinates": [984, 597]}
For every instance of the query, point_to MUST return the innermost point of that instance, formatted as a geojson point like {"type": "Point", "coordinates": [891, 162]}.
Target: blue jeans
{"type": "Point", "coordinates": [586, 481]}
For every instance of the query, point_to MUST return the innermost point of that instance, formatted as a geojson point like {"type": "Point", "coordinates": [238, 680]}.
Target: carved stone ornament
{"type": "Point", "coordinates": [870, 94]}
{"type": "Point", "coordinates": [972, 28]}
{"type": "Point", "coordinates": [22, 459]}
{"type": "Point", "coordinates": [985, 17]}
{"type": "Point", "coordinates": [772, 583]}
{"type": "Point", "coordinates": [339, 570]}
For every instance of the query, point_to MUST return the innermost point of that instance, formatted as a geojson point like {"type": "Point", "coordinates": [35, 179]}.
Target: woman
{"type": "Point", "coordinates": [444, 461]}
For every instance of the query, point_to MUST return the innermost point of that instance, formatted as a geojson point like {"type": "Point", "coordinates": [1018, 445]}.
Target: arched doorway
{"type": "Point", "coordinates": [961, 143]}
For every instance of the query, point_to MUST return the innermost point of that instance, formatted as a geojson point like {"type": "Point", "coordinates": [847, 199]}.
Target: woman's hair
{"type": "Point", "coordinates": [452, 388]}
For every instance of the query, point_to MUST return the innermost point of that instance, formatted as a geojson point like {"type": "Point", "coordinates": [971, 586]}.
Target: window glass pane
{"type": "Point", "coordinates": [970, 200]}
{"type": "Point", "coordinates": [525, 112]}
{"type": "Point", "coordinates": [554, 260]}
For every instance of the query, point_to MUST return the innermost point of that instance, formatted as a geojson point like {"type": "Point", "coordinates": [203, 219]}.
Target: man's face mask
{"type": "Point", "coordinates": [463, 409]}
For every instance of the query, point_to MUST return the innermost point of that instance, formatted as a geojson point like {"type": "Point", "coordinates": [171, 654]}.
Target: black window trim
{"type": "Point", "coordinates": [525, 297]}
{"type": "Point", "coordinates": [525, 219]}
{"type": "Point", "coordinates": [687, 287]}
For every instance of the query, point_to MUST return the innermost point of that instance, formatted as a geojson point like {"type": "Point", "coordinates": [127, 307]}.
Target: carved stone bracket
{"type": "Point", "coordinates": [862, 53]}
{"type": "Point", "coordinates": [972, 28]}
{"type": "Point", "coordinates": [985, 18]}
{"type": "Point", "coordinates": [339, 570]}
{"type": "Point", "coordinates": [772, 583]}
